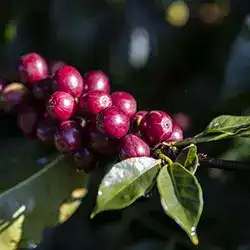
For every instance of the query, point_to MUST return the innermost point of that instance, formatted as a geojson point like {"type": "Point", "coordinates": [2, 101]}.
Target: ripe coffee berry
{"type": "Point", "coordinates": [133, 146]}
{"type": "Point", "coordinates": [32, 68]}
{"type": "Point", "coordinates": [69, 80]}
{"type": "Point", "coordinates": [97, 80]}
{"type": "Point", "coordinates": [113, 122]}
{"type": "Point", "coordinates": [94, 102]}
{"type": "Point", "coordinates": [156, 126]}
{"type": "Point", "coordinates": [45, 131]}
{"type": "Point", "coordinates": [125, 102]}
{"type": "Point", "coordinates": [68, 137]}
{"type": "Point", "coordinates": [27, 120]}
{"type": "Point", "coordinates": [42, 89]}
{"type": "Point", "coordinates": [13, 95]}
{"type": "Point", "coordinates": [60, 106]}
{"type": "Point", "coordinates": [177, 134]}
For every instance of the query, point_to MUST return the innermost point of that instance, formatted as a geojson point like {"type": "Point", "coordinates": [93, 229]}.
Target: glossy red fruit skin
{"type": "Point", "coordinates": [125, 102]}
{"type": "Point", "coordinates": [32, 68]}
{"type": "Point", "coordinates": [85, 160]}
{"type": "Point", "coordinates": [99, 142]}
{"type": "Point", "coordinates": [42, 89]}
{"type": "Point", "coordinates": [68, 137]}
{"type": "Point", "coordinates": [45, 131]}
{"type": "Point", "coordinates": [177, 134]}
{"type": "Point", "coordinates": [156, 126]}
{"type": "Point", "coordinates": [27, 119]}
{"type": "Point", "coordinates": [13, 95]}
{"type": "Point", "coordinates": [113, 122]}
{"type": "Point", "coordinates": [94, 102]}
{"type": "Point", "coordinates": [97, 80]}
{"type": "Point", "coordinates": [133, 146]}
{"type": "Point", "coordinates": [69, 80]}
{"type": "Point", "coordinates": [60, 106]}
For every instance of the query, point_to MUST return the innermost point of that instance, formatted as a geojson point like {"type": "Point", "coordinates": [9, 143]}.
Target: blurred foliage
{"type": "Point", "coordinates": [190, 57]}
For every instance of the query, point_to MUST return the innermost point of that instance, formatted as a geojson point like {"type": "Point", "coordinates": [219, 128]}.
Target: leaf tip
{"type": "Point", "coordinates": [195, 240]}
{"type": "Point", "coordinates": [93, 214]}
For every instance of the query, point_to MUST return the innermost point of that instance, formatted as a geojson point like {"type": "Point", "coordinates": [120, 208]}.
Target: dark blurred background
{"type": "Point", "coordinates": [190, 58]}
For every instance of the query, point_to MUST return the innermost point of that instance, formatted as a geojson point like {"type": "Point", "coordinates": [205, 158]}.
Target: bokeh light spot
{"type": "Point", "coordinates": [212, 13]}
{"type": "Point", "coordinates": [177, 13]}
{"type": "Point", "coordinates": [139, 48]}
{"type": "Point", "coordinates": [10, 32]}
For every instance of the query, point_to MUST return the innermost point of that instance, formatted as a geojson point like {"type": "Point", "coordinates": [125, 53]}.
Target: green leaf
{"type": "Point", "coordinates": [222, 127]}
{"type": "Point", "coordinates": [125, 182]}
{"type": "Point", "coordinates": [35, 203]}
{"type": "Point", "coordinates": [228, 124]}
{"type": "Point", "coordinates": [21, 158]}
{"type": "Point", "coordinates": [188, 158]}
{"type": "Point", "coordinates": [181, 197]}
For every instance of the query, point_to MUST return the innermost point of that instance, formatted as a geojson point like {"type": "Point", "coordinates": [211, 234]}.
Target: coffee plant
{"type": "Point", "coordinates": [79, 116]}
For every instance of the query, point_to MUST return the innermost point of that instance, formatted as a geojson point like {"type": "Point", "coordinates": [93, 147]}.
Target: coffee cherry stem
{"type": "Point", "coordinates": [207, 161]}
{"type": "Point", "coordinates": [165, 159]}
{"type": "Point", "coordinates": [201, 138]}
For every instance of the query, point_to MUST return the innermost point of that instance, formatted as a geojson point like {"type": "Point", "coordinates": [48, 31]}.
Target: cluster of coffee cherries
{"type": "Point", "coordinates": [78, 115]}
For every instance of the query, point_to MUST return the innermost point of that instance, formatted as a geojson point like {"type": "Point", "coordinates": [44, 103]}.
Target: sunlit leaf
{"type": "Point", "coordinates": [40, 197]}
{"type": "Point", "coordinates": [11, 231]}
{"type": "Point", "coordinates": [125, 182]}
{"type": "Point", "coordinates": [221, 127]}
{"type": "Point", "coordinates": [229, 124]}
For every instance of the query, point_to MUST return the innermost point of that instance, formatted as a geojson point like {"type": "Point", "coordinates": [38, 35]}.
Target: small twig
{"type": "Point", "coordinates": [210, 162]}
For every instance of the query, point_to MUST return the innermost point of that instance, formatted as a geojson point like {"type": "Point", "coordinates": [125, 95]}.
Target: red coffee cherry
{"type": "Point", "coordinates": [69, 80]}
{"type": "Point", "coordinates": [133, 146]}
{"type": "Point", "coordinates": [156, 126]}
{"type": "Point", "coordinates": [97, 80]}
{"type": "Point", "coordinates": [94, 102]}
{"type": "Point", "coordinates": [32, 68]}
{"type": "Point", "coordinates": [177, 134]}
{"type": "Point", "coordinates": [113, 122]}
{"type": "Point", "coordinates": [60, 106]}
{"type": "Point", "coordinates": [125, 102]}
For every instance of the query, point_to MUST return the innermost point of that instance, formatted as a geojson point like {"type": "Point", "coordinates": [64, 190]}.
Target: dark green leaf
{"type": "Point", "coordinates": [21, 158]}
{"type": "Point", "coordinates": [125, 182]}
{"type": "Point", "coordinates": [35, 203]}
{"type": "Point", "coordinates": [222, 127]}
{"type": "Point", "coordinates": [188, 158]}
{"type": "Point", "coordinates": [230, 125]}
{"type": "Point", "coordinates": [181, 197]}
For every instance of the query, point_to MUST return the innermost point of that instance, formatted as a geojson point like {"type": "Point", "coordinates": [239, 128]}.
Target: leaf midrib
{"type": "Point", "coordinates": [33, 177]}
{"type": "Point", "coordinates": [178, 196]}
